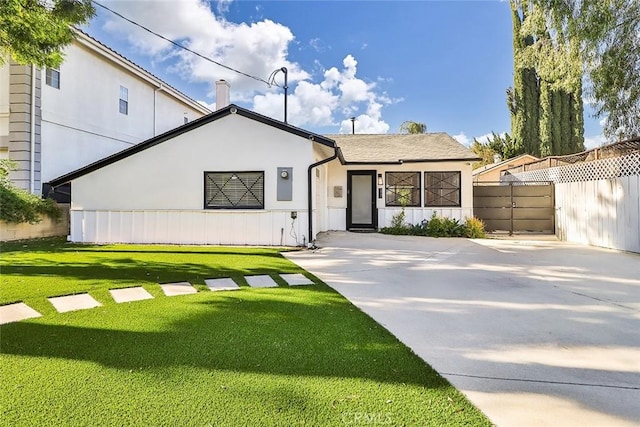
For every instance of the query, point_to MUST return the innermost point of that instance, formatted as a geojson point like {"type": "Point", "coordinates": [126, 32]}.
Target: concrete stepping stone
{"type": "Point", "coordinates": [16, 312]}
{"type": "Point", "coordinates": [178, 288]}
{"type": "Point", "coordinates": [74, 302]}
{"type": "Point", "coordinates": [297, 279]}
{"type": "Point", "coordinates": [264, 281]}
{"type": "Point", "coordinates": [129, 294]}
{"type": "Point", "coordinates": [226, 284]}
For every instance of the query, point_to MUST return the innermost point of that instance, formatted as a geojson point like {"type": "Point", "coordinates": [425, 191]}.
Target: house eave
{"type": "Point", "coordinates": [111, 55]}
{"type": "Point", "coordinates": [402, 161]}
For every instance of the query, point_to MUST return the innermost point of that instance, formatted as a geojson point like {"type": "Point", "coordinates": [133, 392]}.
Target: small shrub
{"type": "Point", "coordinates": [17, 205]}
{"type": "Point", "coordinates": [439, 226]}
{"type": "Point", "coordinates": [398, 226]}
{"type": "Point", "coordinates": [474, 228]}
{"type": "Point", "coordinates": [419, 229]}
{"type": "Point", "coordinates": [398, 220]}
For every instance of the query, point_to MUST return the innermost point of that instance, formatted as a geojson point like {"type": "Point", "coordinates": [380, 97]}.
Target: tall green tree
{"type": "Point", "coordinates": [546, 114]}
{"type": "Point", "coordinates": [502, 145]}
{"type": "Point", "coordinates": [35, 31]}
{"type": "Point", "coordinates": [604, 36]}
{"type": "Point", "coordinates": [523, 98]}
{"type": "Point", "coordinates": [413, 127]}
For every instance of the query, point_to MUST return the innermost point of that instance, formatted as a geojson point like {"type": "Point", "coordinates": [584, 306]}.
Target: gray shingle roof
{"type": "Point", "coordinates": [396, 148]}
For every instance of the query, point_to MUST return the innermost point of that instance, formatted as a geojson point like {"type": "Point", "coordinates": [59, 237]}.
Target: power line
{"type": "Point", "coordinates": [206, 58]}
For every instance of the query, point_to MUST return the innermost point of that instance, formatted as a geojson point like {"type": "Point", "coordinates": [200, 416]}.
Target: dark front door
{"type": "Point", "coordinates": [361, 200]}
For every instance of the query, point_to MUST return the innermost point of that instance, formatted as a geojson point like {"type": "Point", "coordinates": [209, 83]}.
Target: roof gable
{"type": "Point", "coordinates": [492, 166]}
{"type": "Point", "coordinates": [159, 139]}
{"type": "Point", "coordinates": [97, 47]}
{"type": "Point", "coordinates": [401, 148]}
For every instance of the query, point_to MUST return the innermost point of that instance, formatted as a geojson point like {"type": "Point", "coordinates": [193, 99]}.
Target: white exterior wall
{"type": "Point", "coordinates": [4, 106]}
{"type": "Point", "coordinates": [157, 195]}
{"type": "Point", "coordinates": [81, 122]}
{"type": "Point", "coordinates": [337, 207]}
{"type": "Point", "coordinates": [602, 213]}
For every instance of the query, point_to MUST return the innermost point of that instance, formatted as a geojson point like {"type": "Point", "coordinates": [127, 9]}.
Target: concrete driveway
{"type": "Point", "coordinates": [533, 332]}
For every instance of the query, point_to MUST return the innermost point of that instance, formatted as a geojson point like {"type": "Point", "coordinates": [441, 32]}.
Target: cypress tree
{"type": "Point", "coordinates": [566, 122]}
{"type": "Point", "coordinates": [523, 98]}
{"type": "Point", "coordinates": [546, 104]}
{"type": "Point", "coordinates": [546, 113]}
{"type": "Point", "coordinates": [556, 124]}
{"type": "Point", "coordinates": [515, 95]}
{"type": "Point", "coordinates": [577, 120]}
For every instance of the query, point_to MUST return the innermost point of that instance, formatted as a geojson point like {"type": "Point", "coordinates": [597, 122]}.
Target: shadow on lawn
{"type": "Point", "coordinates": [57, 245]}
{"type": "Point", "coordinates": [310, 332]}
{"type": "Point", "coordinates": [133, 271]}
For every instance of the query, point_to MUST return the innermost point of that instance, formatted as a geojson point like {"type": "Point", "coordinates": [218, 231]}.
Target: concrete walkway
{"type": "Point", "coordinates": [535, 333]}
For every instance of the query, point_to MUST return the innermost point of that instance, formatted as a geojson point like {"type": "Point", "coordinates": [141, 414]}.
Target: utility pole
{"type": "Point", "coordinates": [272, 79]}
{"type": "Point", "coordinates": [286, 89]}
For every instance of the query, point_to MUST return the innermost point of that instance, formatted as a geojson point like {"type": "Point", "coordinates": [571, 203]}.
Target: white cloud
{"type": "Point", "coordinates": [257, 49]}
{"type": "Point", "coordinates": [318, 45]}
{"type": "Point", "coordinates": [316, 104]}
{"type": "Point", "coordinates": [223, 5]}
{"type": "Point", "coordinates": [594, 141]}
{"type": "Point", "coordinates": [462, 139]}
{"type": "Point", "coordinates": [483, 139]}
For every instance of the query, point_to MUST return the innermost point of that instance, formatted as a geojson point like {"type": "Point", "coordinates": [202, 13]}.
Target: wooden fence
{"type": "Point", "coordinates": [601, 213]}
{"type": "Point", "coordinates": [598, 201]}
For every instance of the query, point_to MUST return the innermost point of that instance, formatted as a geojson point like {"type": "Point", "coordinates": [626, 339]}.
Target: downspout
{"type": "Point", "coordinates": [32, 137]}
{"type": "Point", "coordinates": [155, 92]}
{"type": "Point", "coordinates": [310, 192]}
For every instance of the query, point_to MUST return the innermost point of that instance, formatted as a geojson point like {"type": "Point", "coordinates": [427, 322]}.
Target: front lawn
{"type": "Point", "coordinates": [280, 356]}
{"type": "Point", "coordinates": [37, 269]}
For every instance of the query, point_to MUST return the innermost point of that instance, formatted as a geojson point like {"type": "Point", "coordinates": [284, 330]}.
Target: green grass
{"type": "Point", "coordinates": [264, 357]}
{"type": "Point", "coordinates": [37, 269]}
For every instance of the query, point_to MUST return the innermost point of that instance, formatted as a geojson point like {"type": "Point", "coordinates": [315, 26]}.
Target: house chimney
{"type": "Point", "coordinates": [496, 158]}
{"type": "Point", "coordinates": [222, 94]}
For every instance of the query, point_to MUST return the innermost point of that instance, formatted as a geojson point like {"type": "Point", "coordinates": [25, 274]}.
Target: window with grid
{"type": "Point", "coordinates": [124, 100]}
{"type": "Point", "coordinates": [234, 190]}
{"type": "Point", "coordinates": [402, 188]}
{"type": "Point", "coordinates": [52, 77]}
{"type": "Point", "coordinates": [442, 188]}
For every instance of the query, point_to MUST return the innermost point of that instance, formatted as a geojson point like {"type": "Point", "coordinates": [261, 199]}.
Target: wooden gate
{"type": "Point", "coordinates": [515, 207]}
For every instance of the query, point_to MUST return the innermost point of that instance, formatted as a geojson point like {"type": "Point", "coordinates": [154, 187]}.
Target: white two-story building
{"type": "Point", "coordinates": [53, 121]}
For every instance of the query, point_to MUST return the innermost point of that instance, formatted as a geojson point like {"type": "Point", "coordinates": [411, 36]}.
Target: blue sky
{"type": "Point", "coordinates": [444, 63]}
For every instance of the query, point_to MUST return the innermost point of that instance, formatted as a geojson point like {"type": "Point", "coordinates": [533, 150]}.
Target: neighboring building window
{"type": "Point", "coordinates": [402, 188]}
{"type": "Point", "coordinates": [124, 100]}
{"type": "Point", "coordinates": [52, 77]}
{"type": "Point", "coordinates": [442, 188]}
{"type": "Point", "coordinates": [234, 190]}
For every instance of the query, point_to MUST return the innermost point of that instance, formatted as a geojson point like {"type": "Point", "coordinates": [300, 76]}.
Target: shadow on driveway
{"type": "Point", "coordinates": [533, 332]}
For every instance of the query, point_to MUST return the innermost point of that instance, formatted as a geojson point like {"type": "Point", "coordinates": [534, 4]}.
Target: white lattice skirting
{"type": "Point", "coordinates": [627, 165]}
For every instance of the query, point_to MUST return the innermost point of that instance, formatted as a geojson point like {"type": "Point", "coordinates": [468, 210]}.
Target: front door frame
{"type": "Point", "coordinates": [374, 211]}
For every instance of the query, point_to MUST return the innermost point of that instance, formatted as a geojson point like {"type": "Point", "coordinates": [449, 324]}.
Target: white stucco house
{"type": "Point", "coordinates": [53, 121]}
{"type": "Point", "coordinates": [237, 177]}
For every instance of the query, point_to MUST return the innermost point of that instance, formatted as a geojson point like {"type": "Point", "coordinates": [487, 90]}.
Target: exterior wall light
{"type": "Point", "coordinates": [380, 182]}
